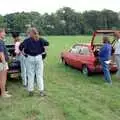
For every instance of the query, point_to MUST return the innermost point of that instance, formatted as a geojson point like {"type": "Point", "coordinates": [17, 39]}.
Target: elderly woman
{"type": "Point", "coordinates": [33, 49]}
{"type": "Point", "coordinates": [104, 56]}
{"type": "Point", "coordinates": [20, 57]}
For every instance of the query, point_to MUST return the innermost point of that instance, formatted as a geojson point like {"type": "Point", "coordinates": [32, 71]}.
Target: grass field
{"type": "Point", "coordinates": [70, 95]}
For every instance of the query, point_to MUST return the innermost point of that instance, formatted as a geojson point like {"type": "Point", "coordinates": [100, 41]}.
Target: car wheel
{"type": "Point", "coordinates": [85, 70]}
{"type": "Point", "coordinates": [64, 62]}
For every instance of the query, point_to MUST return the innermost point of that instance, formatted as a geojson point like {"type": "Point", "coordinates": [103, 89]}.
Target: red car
{"type": "Point", "coordinates": [85, 56]}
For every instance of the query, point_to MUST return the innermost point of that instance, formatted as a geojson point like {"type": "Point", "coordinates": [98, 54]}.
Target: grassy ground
{"type": "Point", "coordinates": [70, 95]}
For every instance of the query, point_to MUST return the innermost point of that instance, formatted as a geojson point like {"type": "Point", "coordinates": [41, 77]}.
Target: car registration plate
{"type": "Point", "coordinates": [15, 75]}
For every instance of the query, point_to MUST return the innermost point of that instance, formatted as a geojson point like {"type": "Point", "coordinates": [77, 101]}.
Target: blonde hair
{"type": "Point", "coordinates": [34, 30]}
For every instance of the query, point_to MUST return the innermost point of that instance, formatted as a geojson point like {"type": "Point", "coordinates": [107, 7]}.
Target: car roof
{"type": "Point", "coordinates": [106, 31]}
{"type": "Point", "coordinates": [102, 32]}
{"type": "Point", "coordinates": [82, 44]}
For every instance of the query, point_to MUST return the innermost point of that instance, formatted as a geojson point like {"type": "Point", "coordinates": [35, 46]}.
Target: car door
{"type": "Point", "coordinates": [84, 57]}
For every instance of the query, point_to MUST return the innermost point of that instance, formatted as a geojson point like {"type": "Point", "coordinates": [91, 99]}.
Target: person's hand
{"type": "Point", "coordinates": [5, 66]}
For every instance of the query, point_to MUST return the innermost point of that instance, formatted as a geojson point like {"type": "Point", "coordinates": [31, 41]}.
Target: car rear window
{"type": "Point", "coordinates": [84, 50]}
{"type": "Point", "coordinates": [75, 49]}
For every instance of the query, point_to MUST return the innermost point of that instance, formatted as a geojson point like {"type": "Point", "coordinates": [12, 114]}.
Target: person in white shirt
{"type": "Point", "coordinates": [17, 43]}
{"type": "Point", "coordinates": [117, 53]}
{"type": "Point", "coordinates": [20, 56]}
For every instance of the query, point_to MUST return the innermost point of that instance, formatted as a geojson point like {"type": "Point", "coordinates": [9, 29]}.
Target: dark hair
{"type": "Point", "coordinates": [15, 34]}
{"type": "Point", "coordinates": [106, 40]}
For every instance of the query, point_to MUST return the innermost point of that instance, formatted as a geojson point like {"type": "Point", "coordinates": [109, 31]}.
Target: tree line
{"type": "Point", "coordinates": [65, 21]}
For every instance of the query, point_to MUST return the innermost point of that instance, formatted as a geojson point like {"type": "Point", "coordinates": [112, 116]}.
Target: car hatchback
{"type": "Point", "coordinates": [86, 56]}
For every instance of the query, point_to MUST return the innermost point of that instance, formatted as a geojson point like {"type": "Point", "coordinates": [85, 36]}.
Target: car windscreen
{"type": "Point", "coordinates": [98, 40]}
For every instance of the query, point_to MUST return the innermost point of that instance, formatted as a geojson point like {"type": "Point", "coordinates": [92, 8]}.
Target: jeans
{"type": "Point", "coordinates": [106, 71]}
{"type": "Point", "coordinates": [35, 70]}
{"type": "Point", "coordinates": [117, 59]}
{"type": "Point", "coordinates": [23, 69]}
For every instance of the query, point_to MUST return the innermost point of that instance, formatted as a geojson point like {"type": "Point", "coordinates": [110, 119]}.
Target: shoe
{"type": "Point", "coordinates": [6, 92]}
{"type": "Point", "coordinates": [108, 84]}
{"type": "Point", "coordinates": [25, 86]}
{"type": "Point", "coordinates": [42, 94]}
{"type": "Point", "coordinates": [30, 94]}
{"type": "Point", "coordinates": [6, 96]}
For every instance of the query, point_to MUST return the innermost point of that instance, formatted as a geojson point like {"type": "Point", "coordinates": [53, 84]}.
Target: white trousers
{"type": "Point", "coordinates": [23, 69]}
{"type": "Point", "coordinates": [35, 69]}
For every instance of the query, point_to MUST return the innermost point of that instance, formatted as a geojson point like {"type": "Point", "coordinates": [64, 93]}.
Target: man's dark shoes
{"type": "Point", "coordinates": [42, 94]}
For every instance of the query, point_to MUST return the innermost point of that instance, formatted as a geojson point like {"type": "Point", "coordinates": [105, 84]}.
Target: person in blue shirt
{"type": "Point", "coordinates": [104, 56]}
{"type": "Point", "coordinates": [3, 64]}
{"type": "Point", "coordinates": [33, 48]}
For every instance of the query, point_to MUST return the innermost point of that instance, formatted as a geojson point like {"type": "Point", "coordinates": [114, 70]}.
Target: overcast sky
{"type": "Point", "coordinates": [42, 6]}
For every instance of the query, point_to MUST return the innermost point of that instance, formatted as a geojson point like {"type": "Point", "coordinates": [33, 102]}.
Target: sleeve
{"type": "Point", "coordinates": [1, 48]}
{"type": "Point", "coordinates": [45, 42]}
{"type": "Point", "coordinates": [21, 47]}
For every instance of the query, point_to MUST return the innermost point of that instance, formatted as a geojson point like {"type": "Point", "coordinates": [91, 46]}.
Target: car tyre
{"type": "Point", "coordinates": [85, 71]}
{"type": "Point", "coordinates": [64, 62]}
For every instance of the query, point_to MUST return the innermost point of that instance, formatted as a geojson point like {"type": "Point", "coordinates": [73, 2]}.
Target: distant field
{"type": "Point", "coordinates": [70, 95]}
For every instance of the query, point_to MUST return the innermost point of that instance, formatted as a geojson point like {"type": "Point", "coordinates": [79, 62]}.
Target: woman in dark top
{"type": "Point", "coordinates": [33, 49]}
{"type": "Point", "coordinates": [3, 65]}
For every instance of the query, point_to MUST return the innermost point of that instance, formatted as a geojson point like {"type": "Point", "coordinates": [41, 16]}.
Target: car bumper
{"type": "Point", "coordinates": [14, 73]}
{"type": "Point", "coordinates": [97, 69]}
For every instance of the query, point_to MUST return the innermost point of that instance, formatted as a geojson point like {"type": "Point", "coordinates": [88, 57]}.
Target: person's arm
{"type": "Point", "coordinates": [21, 47]}
{"type": "Point", "coordinates": [46, 44]}
{"type": "Point", "coordinates": [17, 51]}
{"type": "Point", "coordinates": [2, 58]}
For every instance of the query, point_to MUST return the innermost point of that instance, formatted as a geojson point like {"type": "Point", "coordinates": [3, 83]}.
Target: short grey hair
{"type": "Point", "coordinates": [32, 29]}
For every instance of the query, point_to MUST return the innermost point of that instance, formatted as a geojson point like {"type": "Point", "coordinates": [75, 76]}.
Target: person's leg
{"type": "Point", "coordinates": [39, 73]}
{"type": "Point", "coordinates": [2, 83]}
{"type": "Point", "coordinates": [23, 70]}
{"type": "Point", "coordinates": [117, 58]}
{"type": "Point", "coordinates": [30, 64]}
{"type": "Point", "coordinates": [106, 72]}
{"type": "Point", "coordinates": [3, 78]}
{"type": "Point", "coordinates": [25, 73]}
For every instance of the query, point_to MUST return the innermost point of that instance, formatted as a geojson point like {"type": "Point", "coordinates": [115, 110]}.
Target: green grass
{"type": "Point", "coordinates": [70, 95]}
